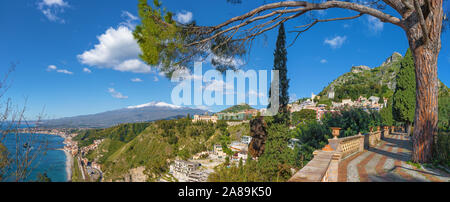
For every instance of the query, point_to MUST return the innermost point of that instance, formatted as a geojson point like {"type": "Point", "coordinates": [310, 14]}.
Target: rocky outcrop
{"type": "Point", "coordinates": [394, 57]}
{"type": "Point", "coordinates": [360, 68]}
{"type": "Point", "coordinates": [258, 131]}
{"type": "Point", "coordinates": [136, 175]}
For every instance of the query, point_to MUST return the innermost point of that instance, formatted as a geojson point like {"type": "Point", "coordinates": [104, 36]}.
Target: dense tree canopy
{"type": "Point", "coordinates": [353, 121]}
{"type": "Point", "coordinates": [404, 100]}
{"type": "Point", "coordinates": [303, 115]}
{"type": "Point", "coordinates": [279, 64]}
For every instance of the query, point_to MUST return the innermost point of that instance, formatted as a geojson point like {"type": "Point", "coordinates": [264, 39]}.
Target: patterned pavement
{"type": "Point", "coordinates": [387, 163]}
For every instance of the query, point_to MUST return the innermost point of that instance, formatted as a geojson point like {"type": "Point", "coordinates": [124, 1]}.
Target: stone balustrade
{"type": "Point", "coordinates": [372, 139]}
{"type": "Point", "coordinates": [348, 145]}
{"type": "Point", "coordinates": [324, 166]}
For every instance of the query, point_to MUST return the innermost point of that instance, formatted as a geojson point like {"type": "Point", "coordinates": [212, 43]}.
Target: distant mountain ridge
{"type": "Point", "coordinates": [140, 113]}
{"type": "Point", "coordinates": [237, 108]}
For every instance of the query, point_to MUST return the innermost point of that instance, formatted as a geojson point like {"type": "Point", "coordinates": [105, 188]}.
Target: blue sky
{"type": "Point", "coordinates": [53, 41]}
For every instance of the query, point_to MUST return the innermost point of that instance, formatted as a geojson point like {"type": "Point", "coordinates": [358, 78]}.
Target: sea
{"type": "Point", "coordinates": [51, 160]}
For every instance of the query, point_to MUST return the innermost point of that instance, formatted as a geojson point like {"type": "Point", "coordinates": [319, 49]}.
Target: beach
{"type": "Point", "coordinates": [69, 164]}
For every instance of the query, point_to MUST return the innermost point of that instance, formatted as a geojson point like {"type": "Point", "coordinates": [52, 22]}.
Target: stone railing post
{"type": "Point", "coordinates": [333, 170]}
{"type": "Point", "coordinates": [386, 131]}
{"type": "Point", "coordinates": [361, 142]}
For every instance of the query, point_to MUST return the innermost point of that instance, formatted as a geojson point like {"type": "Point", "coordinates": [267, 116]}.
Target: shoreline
{"type": "Point", "coordinates": [69, 164]}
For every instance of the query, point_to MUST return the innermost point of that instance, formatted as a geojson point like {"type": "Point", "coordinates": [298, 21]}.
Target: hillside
{"type": "Point", "coordinates": [237, 108]}
{"type": "Point", "coordinates": [144, 153]}
{"type": "Point", "coordinates": [363, 80]}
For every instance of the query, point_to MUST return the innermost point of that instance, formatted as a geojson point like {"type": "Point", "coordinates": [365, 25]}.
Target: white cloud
{"type": "Point", "coordinates": [51, 9]}
{"type": "Point", "coordinates": [254, 93]}
{"type": "Point", "coordinates": [219, 86]}
{"type": "Point", "coordinates": [129, 19]}
{"type": "Point", "coordinates": [54, 3]}
{"type": "Point", "coordinates": [64, 71]}
{"type": "Point", "coordinates": [54, 68]}
{"type": "Point", "coordinates": [116, 94]}
{"type": "Point", "coordinates": [155, 79]}
{"type": "Point", "coordinates": [86, 70]}
{"type": "Point", "coordinates": [184, 17]}
{"type": "Point", "coordinates": [51, 67]}
{"type": "Point", "coordinates": [335, 42]}
{"type": "Point", "coordinates": [323, 61]}
{"type": "Point", "coordinates": [136, 80]}
{"type": "Point", "coordinates": [117, 49]}
{"type": "Point", "coordinates": [292, 97]}
{"type": "Point", "coordinates": [374, 24]}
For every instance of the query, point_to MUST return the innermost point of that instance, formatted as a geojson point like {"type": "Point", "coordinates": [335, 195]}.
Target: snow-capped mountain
{"type": "Point", "coordinates": [139, 113]}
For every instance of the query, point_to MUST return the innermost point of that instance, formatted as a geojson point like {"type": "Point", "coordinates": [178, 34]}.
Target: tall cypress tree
{"type": "Point", "coordinates": [280, 60]}
{"type": "Point", "coordinates": [404, 102]}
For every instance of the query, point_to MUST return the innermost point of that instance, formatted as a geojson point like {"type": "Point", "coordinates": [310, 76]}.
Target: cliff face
{"type": "Point", "coordinates": [383, 75]}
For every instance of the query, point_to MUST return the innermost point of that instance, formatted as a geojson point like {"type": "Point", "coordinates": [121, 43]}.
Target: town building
{"type": "Point", "coordinates": [238, 146]}
{"type": "Point", "coordinates": [186, 171]}
{"type": "Point", "coordinates": [205, 117]}
{"type": "Point", "coordinates": [218, 151]}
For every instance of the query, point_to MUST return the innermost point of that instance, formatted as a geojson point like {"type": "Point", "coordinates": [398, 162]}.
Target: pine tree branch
{"type": "Point", "coordinates": [308, 26]}
{"type": "Point", "coordinates": [421, 20]}
{"type": "Point", "coordinates": [299, 7]}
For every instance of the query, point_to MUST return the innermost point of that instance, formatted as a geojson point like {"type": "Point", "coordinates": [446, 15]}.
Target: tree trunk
{"type": "Point", "coordinates": [425, 50]}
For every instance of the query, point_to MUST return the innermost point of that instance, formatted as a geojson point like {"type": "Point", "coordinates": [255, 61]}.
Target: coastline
{"type": "Point", "coordinates": [69, 164]}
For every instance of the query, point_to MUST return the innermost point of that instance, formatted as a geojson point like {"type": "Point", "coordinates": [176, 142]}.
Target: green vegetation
{"type": "Point", "coordinates": [352, 121]}
{"type": "Point", "coordinates": [416, 165]}
{"type": "Point", "coordinates": [278, 159]}
{"type": "Point", "coordinates": [158, 35]}
{"type": "Point", "coordinates": [279, 64]}
{"type": "Point", "coordinates": [379, 81]}
{"type": "Point", "coordinates": [3, 160]}
{"type": "Point", "coordinates": [360, 86]}
{"type": "Point", "coordinates": [441, 153]}
{"type": "Point", "coordinates": [237, 108]}
{"type": "Point", "coordinates": [387, 119]}
{"type": "Point", "coordinates": [43, 177]}
{"type": "Point", "coordinates": [303, 116]}
{"type": "Point", "coordinates": [312, 135]}
{"type": "Point", "coordinates": [76, 173]}
{"type": "Point", "coordinates": [159, 142]}
{"type": "Point", "coordinates": [120, 133]}
{"type": "Point", "coordinates": [404, 100]}
{"type": "Point", "coordinates": [273, 165]}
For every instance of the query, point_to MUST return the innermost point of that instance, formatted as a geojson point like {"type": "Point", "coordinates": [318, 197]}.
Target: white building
{"type": "Point", "coordinates": [292, 142]}
{"type": "Point", "coordinates": [245, 139]}
{"type": "Point", "coordinates": [182, 170]}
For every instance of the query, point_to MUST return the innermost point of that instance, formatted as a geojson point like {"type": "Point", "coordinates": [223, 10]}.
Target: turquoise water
{"type": "Point", "coordinates": [53, 162]}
